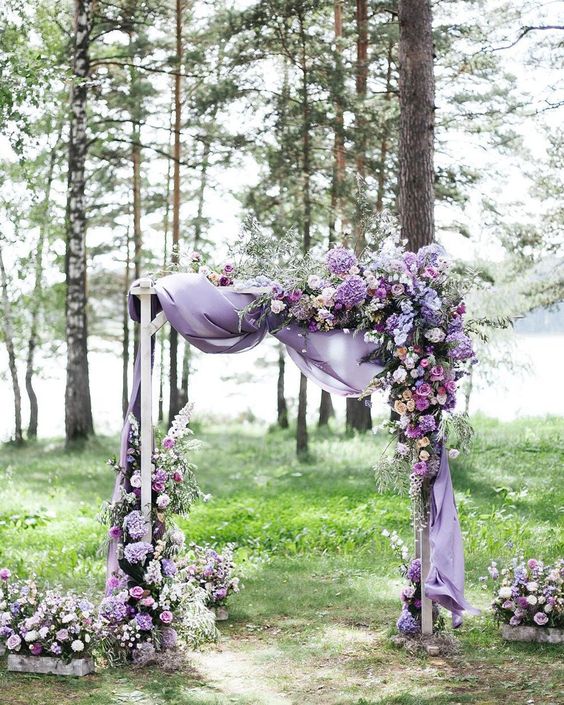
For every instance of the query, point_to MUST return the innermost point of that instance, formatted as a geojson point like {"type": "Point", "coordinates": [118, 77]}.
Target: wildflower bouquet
{"type": "Point", "coordinates": [213, 572]}
{"type": "Point", "coordinates": [529, 593]}
{"type": "Point", "coordinates": [48, 623]}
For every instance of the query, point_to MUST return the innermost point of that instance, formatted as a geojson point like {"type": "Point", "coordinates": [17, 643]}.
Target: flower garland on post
{"type": "Point", "coordinates": [152, 600]}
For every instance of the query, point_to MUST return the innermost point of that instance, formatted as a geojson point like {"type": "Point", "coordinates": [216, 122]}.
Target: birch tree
{"type": "Point", "coordinates": [78, 406]}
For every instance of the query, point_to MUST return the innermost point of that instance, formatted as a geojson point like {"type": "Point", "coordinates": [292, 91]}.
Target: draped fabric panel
{"type": "Point", "coordinates": [208, 318]}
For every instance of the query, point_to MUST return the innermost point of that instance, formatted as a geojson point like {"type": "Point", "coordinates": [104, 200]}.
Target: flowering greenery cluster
{"type": "Point", "coordinates": [529, 593]}
{"type": "Point", "coordinates": [409, 621]}
{"type": "Point", "coordinates": [45, 622]}
{"type": "Point", "coordinates": [213, 572]}
{"type": "Point", "coordinates": [151, 601]}
{"type": "Point", "coordinates": [410, 305]}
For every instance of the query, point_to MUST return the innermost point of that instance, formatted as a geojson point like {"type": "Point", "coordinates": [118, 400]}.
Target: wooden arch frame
{"type": "Point", "coordinates": [148, 326]}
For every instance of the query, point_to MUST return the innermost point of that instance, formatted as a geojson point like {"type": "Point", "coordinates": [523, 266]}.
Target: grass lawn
{"type": "Point", "coordinates": [321, 584]}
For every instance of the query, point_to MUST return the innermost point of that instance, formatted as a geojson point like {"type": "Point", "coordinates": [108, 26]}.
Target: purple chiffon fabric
{"type": "Point", "coordinates": [208, 318]}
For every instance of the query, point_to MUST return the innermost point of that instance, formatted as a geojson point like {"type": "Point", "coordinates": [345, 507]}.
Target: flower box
{"type": "Point", "coordinates": [543, 635]}
{"type": "Point", "coordinates": [50, 664]}
{"type": "Point", "coordinates": [221, 613]}
{"type": "Point", "coordinates": [2, 650]}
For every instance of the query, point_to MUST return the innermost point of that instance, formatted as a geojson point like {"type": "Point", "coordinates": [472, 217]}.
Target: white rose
{"type": "Point", "coordinates": [532, 599]}
{"type": "Point", "coordinates": [77, 645]}
{"type": "Point", "coordinates": [277, 306]}
{"type": "Point", "coordinates": [505, 592]}
{"type": "Point", "coordinates": [87, 638]}
{"type": "Point", "coordinates": [327, 295]}
{"type": "Point", "coordinates": [31, 636]}
{"type": "Point", "coordinates": [135, 480]}
{"type": "Point", "coordinates": [435, 335]}
{"type": "Point", "coordinates": [400, 374]}
{"type": "Point", "coordinates": [68, 618]}
{"type": "Point", "coordinates": [548, 608]}
{"type": "Point", "coordinates": [314, 282]}
{"type": "Point", "coordinates": [43, 632]}
{"type": "Point", "coordinates": [532, 587]}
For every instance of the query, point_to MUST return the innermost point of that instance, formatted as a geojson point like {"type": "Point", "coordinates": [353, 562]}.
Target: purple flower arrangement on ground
{"type": "Point", "coordinates": [151, 600]}
{"type": "Point", "coordinates": [213, 572]}
{"type": "Point", "coordinates": [529, 593]}
{"type": "Point", "coordinates": [45, 623]}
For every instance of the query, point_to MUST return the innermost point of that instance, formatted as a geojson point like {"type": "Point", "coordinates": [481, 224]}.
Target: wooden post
{"type": "Point", "coordinates": [145, 291]}
{"type": "Point", "coordinates": [425, 555]}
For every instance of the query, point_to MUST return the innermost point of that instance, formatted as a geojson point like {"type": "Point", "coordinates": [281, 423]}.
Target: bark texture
{"type": "Point", "coordinates": [78, 407]}
{"type": "Point", "coordinates": [8, 333]}
{"type": "Point", "coordinates": [281, 405]}
{"type": "Point", "coordinates": [417, 122]}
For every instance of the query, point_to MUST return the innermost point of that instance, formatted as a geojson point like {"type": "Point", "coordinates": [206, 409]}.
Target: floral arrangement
{"type": "Point", "coordinates": [151, 601]}
{"type": "Point", "coordinates": [529, 593]}
{"type": "Point", "coordinates": [45, 623]}
{"type": "Point", "coordinates": [409, 621]}
{"type": "Point", "coordinates": [410, 305]}
{"type": "Point", "coordinates": [213, 572]}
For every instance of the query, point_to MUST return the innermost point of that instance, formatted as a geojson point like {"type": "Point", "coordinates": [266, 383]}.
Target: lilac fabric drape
{"type": "Point", "coordinates": [208, 318]}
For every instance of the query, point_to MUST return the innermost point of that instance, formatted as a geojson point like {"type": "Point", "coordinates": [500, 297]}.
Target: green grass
{"type": "Point", "coordinates": [313, 622]}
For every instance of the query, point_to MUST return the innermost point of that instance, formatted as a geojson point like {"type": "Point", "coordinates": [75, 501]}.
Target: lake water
{"type": "Point", "coordinates": [244, 386]}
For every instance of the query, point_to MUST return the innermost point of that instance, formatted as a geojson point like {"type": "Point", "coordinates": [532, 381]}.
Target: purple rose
{"type": "Point", "coordinates": [294, 296]}
{"type": "Point", "coordinates": [532, 563]}
{"type": "Point", "coordinates": [540, 618]}
{"type": "Point", "coordinates": [522, 602]}
{"type": "Point", "coordinates": [4, 574]}
{"type": "Point", "coordinates": [228, 268]}
{"type": "Point", "coordinates": [421, 468]}
{"type": "Point", "coordinates": [421, 403]}
{"type": "Point", "coordinates": [424, 390]}
{"type": "Point", "coordinates": [437, 373]}
{"type": "Point", "coordinates": [114, 532]}
{"type": "Point", "coordinates": [62, 635]}
{"type": "Point", "coordinates": [14, 642]}
{"type": "Point", "coordinates": [36, 649]}
{"type": "Point", "coordinates": [168, 442]}
{"type": "Point", "coordinates": [136, 592]}
{"type": "Point", "coordinates": [144, 621]}
{"type": "Point", "coordinates": [166, 616]}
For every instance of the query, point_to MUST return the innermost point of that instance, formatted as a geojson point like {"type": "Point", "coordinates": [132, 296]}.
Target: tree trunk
{"type": "Point", "coordinates": [326, 410]}
{"type": "Point", "coordinates": [78, 406]}
{"type": "Point", "coordinates": [417, 122]}
{"type": "Point", "coordinates": [37, 291]}
{"type": "Point", "coordinates": [301, 428]}
{"type": "Point", "coordinates": [281, 397]}
{"type": "Point", "coordinates": [384, 140]}
{"type": "Point", "coordinates": [302, 445]}
{"type": "Point", "coordinates": [8, 332]}
{"type": "Point", "coordinates": [174, 407]}
{"type": "Point", "coordinates": [136, 193]}
{"type": "Point", "coordinates": [358, 417]}
{"type": "Point", "coordinates": [125, 329]}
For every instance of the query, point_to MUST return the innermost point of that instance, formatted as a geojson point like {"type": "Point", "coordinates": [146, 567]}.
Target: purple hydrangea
{"type": "Point", "coordinates": [137, 552]}
{"type": "Point", "coordinates": [144, 620]}
{"type": "Point", "coordinates": [414, 571]}
{"type": "Point", "coordinates": [168, 567]}
{"type": "Point", "coordinates": [407, 624]}
{"type": "Point", "coordinates": [461, 346]}
{"type": "Point", "coordinates": [427, 423]}
{"type": "Point", "coordinates": [351, 292]}
{"type": "Point", "coordinates": [113, 609]}
{"type": "Point", "coordinates": [135, 524]}
{"type": "Point", "coordinates": [339, 260]}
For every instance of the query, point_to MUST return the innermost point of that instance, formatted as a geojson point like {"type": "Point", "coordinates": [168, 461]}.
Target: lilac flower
{"type": "Point", "coordinates": [414, 571]}
{"type": "Point", "coordinates": [351, 292]}
{"type": "Point", "coordinates": [407, 624]}
{"type": "Point", "coordinates": [56, 648]}
{"type": "Point", "coordinates": [113, 608]}
{"type": "Point", "coordinates": [134, 523]}
{"type": "Point", "coordinates": [340, 260]}
{"type": "Point", "coordinates": [144, 621]}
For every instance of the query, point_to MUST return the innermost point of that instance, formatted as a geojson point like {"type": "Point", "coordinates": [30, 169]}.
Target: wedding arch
{"type": "Point", "coordinates": [215, 316]}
